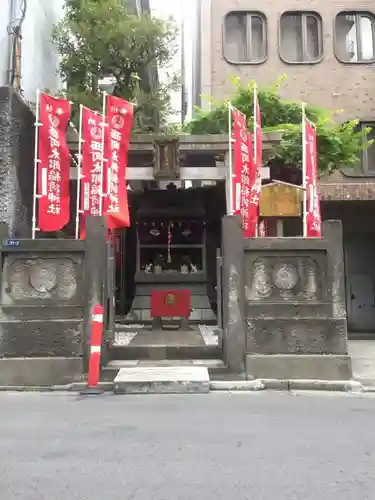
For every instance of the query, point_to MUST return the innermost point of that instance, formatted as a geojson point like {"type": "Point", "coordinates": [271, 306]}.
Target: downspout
{"type": "Point", "coordinates": [15, 37]}
{"type": "Point", "coordinates": [197, 99]}
{"type": "Point", "coordinates": [11, 18]}
{"type": "Point", "coordinates": [183, 62]}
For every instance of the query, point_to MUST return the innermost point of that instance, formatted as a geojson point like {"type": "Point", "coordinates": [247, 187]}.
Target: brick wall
{"type": "Point", "coordinates": [328, 83]}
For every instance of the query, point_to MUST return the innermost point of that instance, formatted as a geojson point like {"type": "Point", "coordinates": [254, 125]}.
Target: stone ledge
{"type": "Point", "coordinates": [162, 380]}
{"type": "Point", "coordinates": [299, 366]}
{"type": "Point", "coordinates": [40, 372]}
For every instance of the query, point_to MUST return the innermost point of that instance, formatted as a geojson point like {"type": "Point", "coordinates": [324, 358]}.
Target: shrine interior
{"type": "Point", "coordinates": [174, 238]}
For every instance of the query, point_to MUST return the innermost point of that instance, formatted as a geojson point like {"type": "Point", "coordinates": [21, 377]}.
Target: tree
{"type": "Point", "coordinates": [339, 144]}
{"type": "Point", "coordinates": [106, 38]}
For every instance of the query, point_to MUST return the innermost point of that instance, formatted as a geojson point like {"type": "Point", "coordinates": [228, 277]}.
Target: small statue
{"type": "Point", "coordinates": [158, 266]}
{"type": "Point", "coordinates": [194, 269]}
{"type": "Point", "coordinates": [148, 268]}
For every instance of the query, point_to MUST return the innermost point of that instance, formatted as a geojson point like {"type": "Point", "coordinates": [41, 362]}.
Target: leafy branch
{"type": "Point", "coordinates": [339, 144]}
{"type": "Point", "coordinates": [97, 39]}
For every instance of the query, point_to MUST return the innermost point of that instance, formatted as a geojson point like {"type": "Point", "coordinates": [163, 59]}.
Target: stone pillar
{"type": "Point", "coordinates": [3, 235]}
{"type": "Point", "coordinates": [234, 336]}
{"type": "Point", "coordinates": [332, 233]}
{"type": "Point", "coordinates": [95, 271]}
{"type": "Point", "coordinates": [16, 162]}
{"type": "Point", "coordinates": [4, 231]}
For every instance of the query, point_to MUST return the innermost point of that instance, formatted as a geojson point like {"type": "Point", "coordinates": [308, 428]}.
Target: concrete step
{"type": "Point", "coordinates": [215, 367]}
{"type": "Point", "coordinates": [162, 380]}
{"type": "Point", "coordinates": [163, 351]}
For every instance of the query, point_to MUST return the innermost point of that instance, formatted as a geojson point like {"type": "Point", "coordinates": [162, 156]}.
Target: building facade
{"type": "Point", "coordinates": [33, 22]}
{"type": "Point", "coordinates": [327, 50]}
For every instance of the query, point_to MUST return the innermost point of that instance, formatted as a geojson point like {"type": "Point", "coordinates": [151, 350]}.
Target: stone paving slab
{"type": "Point", "coordinates": [362, 353]}
{"type": "Point", "coordinates": [162, 380]}
{"type": "Point", "coordinates": [208, 363]}
{"type": "Point", "coordinates": [147, 337]}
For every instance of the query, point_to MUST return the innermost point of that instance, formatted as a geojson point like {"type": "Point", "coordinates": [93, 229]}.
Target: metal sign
{"type": "Point", "coordinates": [278, 200]}
{"type": "Point", "coordinates": [9, 243]}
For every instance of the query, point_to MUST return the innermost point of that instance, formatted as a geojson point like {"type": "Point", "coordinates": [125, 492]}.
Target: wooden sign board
{"type": "Point", "coordinates": [278, 200]}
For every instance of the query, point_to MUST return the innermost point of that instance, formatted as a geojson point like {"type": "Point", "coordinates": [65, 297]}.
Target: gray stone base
{"type": "Point", "coordinates": [42, 372]}
{"type": "Point", "coordinates": [292, 367]}
{"type": "Point", "coordinates": [162, 380]}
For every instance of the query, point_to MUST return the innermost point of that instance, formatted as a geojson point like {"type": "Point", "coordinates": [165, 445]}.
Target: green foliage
{"type": "Point", "coordinates": [339, 144]}
{"type": "Point", "coordinates": [106, 38]}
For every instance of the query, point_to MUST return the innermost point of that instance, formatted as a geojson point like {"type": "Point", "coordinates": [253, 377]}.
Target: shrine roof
{"type": "Point", "coordinates": [210, 143]}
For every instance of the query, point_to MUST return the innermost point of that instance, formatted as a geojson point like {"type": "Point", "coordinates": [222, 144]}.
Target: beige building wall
{"type": "Point", "coordinates": [328, 83]}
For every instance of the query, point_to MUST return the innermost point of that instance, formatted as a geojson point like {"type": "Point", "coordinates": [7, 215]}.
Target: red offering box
{"type": "Point", "coordinates": [170, 303]}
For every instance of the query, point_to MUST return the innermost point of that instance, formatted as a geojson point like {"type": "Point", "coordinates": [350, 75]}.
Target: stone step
{"type": "Point", "coordinates": [216, 367]}
{"type": "Point", "coordinates": [143, 335]}
{"type": "Point", "coordinates": [130, 363]}
{"type": "Point", "coordinates": [163, 351]}
{"type": "Point", "coordinates": [162, 380]}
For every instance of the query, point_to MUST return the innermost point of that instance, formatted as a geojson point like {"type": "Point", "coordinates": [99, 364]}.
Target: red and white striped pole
{"type": "Point", "coordinates": [97, 323]}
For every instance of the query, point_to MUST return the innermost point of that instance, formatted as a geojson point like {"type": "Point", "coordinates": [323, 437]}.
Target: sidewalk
{"type": "Point", "coordinates": [362, 353]}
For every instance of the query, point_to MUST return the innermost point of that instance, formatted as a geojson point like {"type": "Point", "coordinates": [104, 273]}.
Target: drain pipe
{"type": "Point", "coordinates": [14, 47]}
{"type": "Point", "coordinates": [11, 19]}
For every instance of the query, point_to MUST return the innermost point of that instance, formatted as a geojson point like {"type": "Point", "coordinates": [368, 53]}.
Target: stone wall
{"type": "Point", "coordinates": [286, 314]}
{"type": "Point", "coordinates": [16, 163]}
{"type": "Point", "coordinates": [48, 289]}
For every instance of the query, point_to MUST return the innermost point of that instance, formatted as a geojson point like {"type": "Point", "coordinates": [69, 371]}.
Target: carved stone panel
{"type": "Point", "coordinates": [283, 279]}
{"type": "Point", "coordinates": [36, 279]}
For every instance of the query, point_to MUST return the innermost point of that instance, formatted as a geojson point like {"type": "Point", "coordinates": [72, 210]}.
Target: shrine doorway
{"type": "Point", "coordinates": [170, 259]}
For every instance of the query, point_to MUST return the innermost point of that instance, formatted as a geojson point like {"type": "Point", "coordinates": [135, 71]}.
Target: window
{"type": "Point", "coordinates": [301, 37]}
{"type": "Point", "coordinates": [354, 37]}
{"type": "Point", "coordinates": [245, 38]}
{"type": "Point", "coordinates": [368, 154]}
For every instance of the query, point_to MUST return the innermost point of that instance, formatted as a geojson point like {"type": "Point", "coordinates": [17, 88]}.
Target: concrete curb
{"type": "Point", "coordinates": [73, 387]}
{"type": "Point", "coordinates": [224, 385]}
{"type": "Point", "coordinates": [237, 385]}
{"type": "Point", "coordinates": [288, 385]}
{"type": "Point", "coordinates": [368, 383]}
{"type": "Point", "coordinates": [370, 388]}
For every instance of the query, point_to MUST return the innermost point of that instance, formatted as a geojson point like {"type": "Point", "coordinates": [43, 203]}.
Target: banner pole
{"type": "Point", "coordinates": [230, 142]}
{"type": "Point", "coordinates": [104, 110]}
{"type": "Point", "coordinates": [255, 123]}
{"type": "Point", "coordinates": [36, 161]}
{"type": "Point", "coordinates": [79, 170]}
{"type": "Point", "coordinates": [304, 209]}
{"type": "Point", "coordinates": [255, 145]}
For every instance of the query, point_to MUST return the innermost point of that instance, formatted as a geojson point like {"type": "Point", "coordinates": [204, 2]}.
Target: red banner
{"type": "Point", "coordinates": [53, 164]}
{"type": "Point", "coordinates": [120, 121]}
{"type": "Point", "coordinates": [91, 184]}
{"type": "Point", "coordinates": [239, 135]}
{"type": "Point", "coordinates": [313, 216]}
{"type": "Point", "coordinates": [243, 171]}
{"type": "Point", "coordinates": [256, 181]}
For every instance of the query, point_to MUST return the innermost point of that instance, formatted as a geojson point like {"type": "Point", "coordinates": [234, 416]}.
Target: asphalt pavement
{"type": "Point", "coordinates": [222, 446]}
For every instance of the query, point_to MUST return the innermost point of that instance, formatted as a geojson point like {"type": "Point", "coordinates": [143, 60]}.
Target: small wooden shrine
{"type": "Point", "coordinates": [167, 259]}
